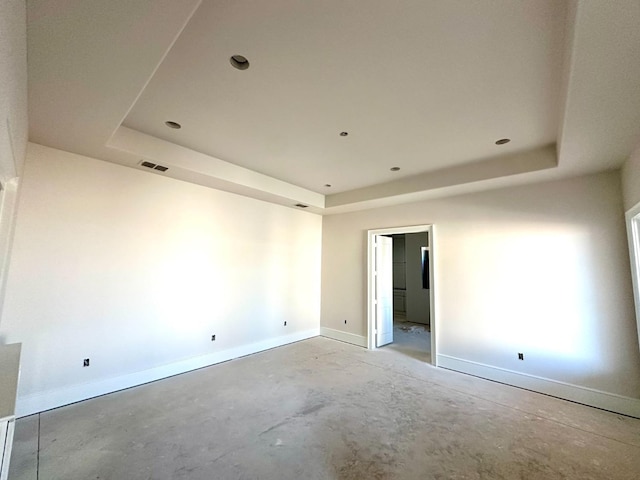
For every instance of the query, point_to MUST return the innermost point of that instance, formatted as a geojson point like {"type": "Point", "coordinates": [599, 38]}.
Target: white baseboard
{"type": "Point", "coordinates": [587, 396]}
{"type": "Point", "coordinates": [352, 338]}
{"type": "Point", "coordinates": [39, 402]}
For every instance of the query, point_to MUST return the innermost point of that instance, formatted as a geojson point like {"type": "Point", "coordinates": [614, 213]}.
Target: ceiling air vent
{"type": "Point", "coordinates": [160, 168]}
{"type": "Point", "coordinates": [301, 205]}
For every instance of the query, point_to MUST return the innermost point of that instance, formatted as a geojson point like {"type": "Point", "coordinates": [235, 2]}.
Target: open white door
{"type": "Point", "coordinates": [384, 290]}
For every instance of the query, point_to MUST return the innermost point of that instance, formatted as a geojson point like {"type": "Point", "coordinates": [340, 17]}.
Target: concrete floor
{"type": "Point", "coordinates": [411, 339]}
{"type": "Point", "coordinates": [322, 409]}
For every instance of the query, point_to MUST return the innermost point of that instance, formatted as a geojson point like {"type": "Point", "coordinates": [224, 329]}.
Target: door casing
{"type": "Point", "coordinates": [371, 291]}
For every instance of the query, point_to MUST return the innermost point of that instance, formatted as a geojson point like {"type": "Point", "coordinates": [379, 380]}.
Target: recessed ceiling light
{"type": "Point", "coordinates": [239, 62]}
{"type": "Point", "coordinates": [394, 169]}
{"type": "Point", "coordinates": [344, 134]}
{"type": "Point", "coordinates": [174, 125]}
{"type": "Point", "coordinates": [328, 185]}
{"type": "Point", "coordinates": [502, 141]}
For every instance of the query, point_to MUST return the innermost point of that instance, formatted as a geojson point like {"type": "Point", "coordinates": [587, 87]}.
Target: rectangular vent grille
{"type": "Point", "coordinates": [160, 168]}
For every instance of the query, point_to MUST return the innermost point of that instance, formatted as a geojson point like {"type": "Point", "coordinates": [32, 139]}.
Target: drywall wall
{"type": "Point", "coordinates": [631, 180]}
{"type": "Point", "coordinates": [13, 122]}
{"type": "Point", "coordinates": [540, 269]}
{"type": "Point", "coordinates": [417, 297]}
{"type": "Point", "coordinates": [13, 88]}
{"type": "Point", "coordinates": [136, 272]}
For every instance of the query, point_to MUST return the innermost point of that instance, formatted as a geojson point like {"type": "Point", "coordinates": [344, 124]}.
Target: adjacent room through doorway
{"type": "Point", "coordinates": [400, 291]}
{"type": "Point", "coordinates": [411, 315]}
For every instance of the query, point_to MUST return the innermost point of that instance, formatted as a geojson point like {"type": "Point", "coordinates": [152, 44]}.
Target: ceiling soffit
{"type": "Point", "coordinates": [428, 87]}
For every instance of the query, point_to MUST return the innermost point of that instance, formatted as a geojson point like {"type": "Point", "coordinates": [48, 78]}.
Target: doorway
{"type": "Point", "coordinates": [380, 268]}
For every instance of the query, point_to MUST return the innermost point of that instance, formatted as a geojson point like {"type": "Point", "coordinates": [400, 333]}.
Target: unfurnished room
{"type": "Point", "coordinates": [339, 240]}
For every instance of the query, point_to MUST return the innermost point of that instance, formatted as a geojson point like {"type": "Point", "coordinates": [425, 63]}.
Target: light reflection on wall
{"type": "Point", "coordinates": [241, 289]}
{"type": "Point", "coordinates": [527, 287]}
{"type": "Point", "coordinates": [546, 293]}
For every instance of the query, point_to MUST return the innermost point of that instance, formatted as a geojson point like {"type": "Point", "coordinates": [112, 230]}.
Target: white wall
{"type": "Point", "coordinates": [13, 120]}
{"type": "Point", "coordinates": [540, 269]}
{"type": "Point", "coordinates": [13, 87]}
{"type": "Point", "coordinates": [137, 271]}
{"type": "Point", "coordinates": [631, 180]}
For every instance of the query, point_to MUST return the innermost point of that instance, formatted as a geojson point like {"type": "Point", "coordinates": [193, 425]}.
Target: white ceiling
{"type": "Point", "coordinates": [427, 86]}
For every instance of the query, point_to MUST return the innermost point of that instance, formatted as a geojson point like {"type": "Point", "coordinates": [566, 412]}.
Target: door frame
{"type": "Point", "coordinates": [632, 217]}
{"type": "Point", "coordinates": [371, 312]}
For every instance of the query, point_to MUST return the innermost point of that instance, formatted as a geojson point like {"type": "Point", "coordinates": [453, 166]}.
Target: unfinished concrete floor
{"type": "Point", "coordinates": [322, 409]}
{"type": "Point", "coordinates": [413, 339]}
